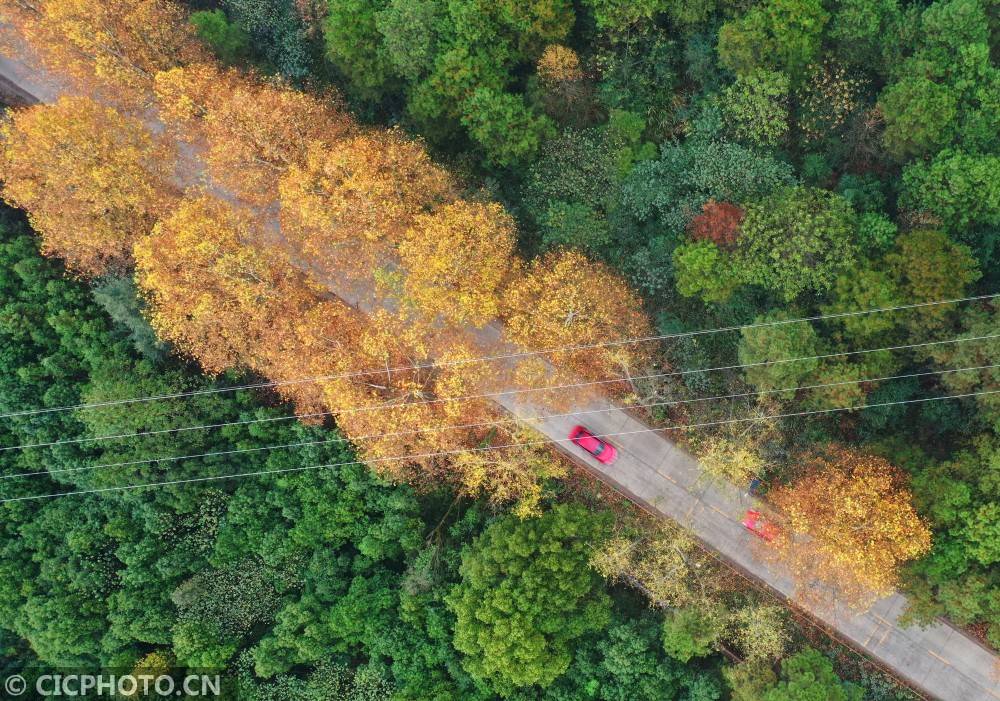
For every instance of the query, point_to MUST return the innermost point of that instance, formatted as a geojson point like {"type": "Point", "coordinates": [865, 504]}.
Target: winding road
{"type": "Point", "coordinates": [939, 660]}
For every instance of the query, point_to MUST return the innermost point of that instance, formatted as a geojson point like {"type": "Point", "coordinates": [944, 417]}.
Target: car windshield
{"type": "Point", "coordinates": [599, 449]}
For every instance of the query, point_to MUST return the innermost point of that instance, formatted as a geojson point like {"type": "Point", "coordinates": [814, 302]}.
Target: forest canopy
{"type": "Point", "coordinates": [279, 189]}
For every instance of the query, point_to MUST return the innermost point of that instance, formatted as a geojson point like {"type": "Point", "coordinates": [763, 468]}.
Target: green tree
{"type": "Point", "coordinates": [277, 34]}
{"type": "Point", "coordinates": [778, 342]}
{"type": "Point", "coordinates": [410, 32]}
{"type": "Point", "coordinates": [626, 662]}
{"type": "Point", "coordinates": [809, 676]}
{"type": "Point", "coordinates": [782, 35]}
{"type": "Point", "coordinates": [920, 115]}
{"type": "Point", "coordinates": [507, 129]}
{"type": "Point", "coordinates": [982, 531]}
{"type": "Point", "coordinates": [876, 232]}
{"type": "Point", "coordinates": [354, 45]}
{"type": "Point", "coordinates": [756, 107]}
{"type": "Point", "coordinates": [747, 681]}
{"type": "Point", "coordinates": [228, 40]}
{"type": "Point", "coordinates": [798, 240]}
{"type": "Point", "coordinates": [574, 224]}
{"type": "Point", "coordinates": [961, 189]}
{"type": "Point", "coordinates": [458, 71]}
{"type": "Point", "coordinates": [690, 12]}
{"type": "Point", "coordinates": [975, 323]}
{"type": "Point", "coordinates": [120, 299]}
{"type": "Point", "coordinates": [692, 631]}
{"type": "Point", "coordinates": [857, 290]}
{"type": "Point", "coordinates": [532, 24]}
{"type": "Point", "coordinates": [619, 15]}
{"type": "Point", "coordinates": [527, 593]}
{"type": "Point", "coordinates": [577, 167]}
{"type": "Point", "coordinates": [931, 267]}
{"type": "Point", "coordinates": [864, 31]}
{"type": "Point", "coordinates": [704, 270]}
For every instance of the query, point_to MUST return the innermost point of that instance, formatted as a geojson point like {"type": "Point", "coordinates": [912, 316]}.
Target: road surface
{"type": "Point", "coordinates": [651, 470]}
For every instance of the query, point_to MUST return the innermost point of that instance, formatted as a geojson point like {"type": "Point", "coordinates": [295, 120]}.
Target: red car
{"type": "Point", "coordinates": [754, 522]}
{"type": "Point", "coordinates": [601, 450]}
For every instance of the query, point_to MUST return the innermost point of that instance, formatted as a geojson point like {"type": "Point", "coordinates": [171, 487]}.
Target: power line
{"type": "Point", "coordinates": [485, 424]}
{"type": "Point", "coordinates": [490, 358]}
{"type": "Point", "coordinates": [487, 395]}
{"type": "Point", "coordinates": [258, 473]}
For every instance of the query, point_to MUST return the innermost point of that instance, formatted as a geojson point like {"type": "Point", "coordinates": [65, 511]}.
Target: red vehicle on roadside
{"type": "Point", "coordinates": [755, 522]}
{"type": "Point", "coordinates": [601, 450]}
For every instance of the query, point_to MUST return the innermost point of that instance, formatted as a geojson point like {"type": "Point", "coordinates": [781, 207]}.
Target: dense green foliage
{"type": "Point", "coordinates": [847, 149]}
{"type": "Point", "coordinates": [808, 676]}
{"type": "Point", "coordinates": [303, 584]}
{"type": "Point", "coordinates": [527, 594]}
{"type": "Point", "coordinates": [227, 39]}
{"type": "Point", "coordinates": [852, 146]}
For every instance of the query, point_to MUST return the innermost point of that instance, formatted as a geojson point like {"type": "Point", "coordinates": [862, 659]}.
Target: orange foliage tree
{"type": "Point", "coordinates": [113, 46]}
{"type": "Point", "coordinates": [406, 392]}
{"type": "Point", "coordinates": [563, 299]}
{"type": "Point", "coordinates": [849, 525]}
{"type": "Point", "coordinates": [349, 206]}
{"type": "Point", "coordinates": [213, 290]}
{"type": "Point", "coordinates": [456, 260]}
{"type": "Point", "coordinates": [93, 181]}
{"type": "Point", "coordinates": [416, 418]}
{"type": "Point", "coordinates": [223, 287]}
{"type": "Point", "coordinates": [253, 129]}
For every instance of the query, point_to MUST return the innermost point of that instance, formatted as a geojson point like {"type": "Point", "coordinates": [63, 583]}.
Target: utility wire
{"type": "Point", "coordinates": [487, 395]}
{"type": "Point", "coordinates": [485, 424]}
{"type": "Point", "coordinates": [258, 473]}
{"type": "Point", "coordinates": [490, 358]}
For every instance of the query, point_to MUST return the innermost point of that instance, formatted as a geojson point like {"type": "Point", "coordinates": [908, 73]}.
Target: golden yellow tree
{"type": "Point", "coordinates": [185, 96]}
{"type": "Point", "coordinates": [401, 407]}
{"type": "Point", "coordinates": [415, 419]}
{"type": "Point", "coordinates": [456, 259]}
{"type": "Point", "coordinates": [114, 46]}
{"type": "Point", "coordinates": [558, 64]}
{"type": "Point", "coordinates": [93, 181]}
{"type": "Point", "coordinates": [213, 289]}
{"type": "Point", "coordinates": [563, 300]}
{"type": "Point", "coordinates": [350, 205]}
{"type": "Point", "coordinates": [253, 129]}
{"type": "Point", "coordinates": [660, 559]}
{"type": "Point", "coordinates": [737, 452]}
{"type": "Point", "coordinates": [316, 340]}
{"type": "Point", "coordinates": [509, 466]}
{"type": "Point", "coordinates": [848, 526]}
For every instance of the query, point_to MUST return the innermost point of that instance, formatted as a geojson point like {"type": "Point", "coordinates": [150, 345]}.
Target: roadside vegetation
{"type": "Point", "coordinates": [230, 190]}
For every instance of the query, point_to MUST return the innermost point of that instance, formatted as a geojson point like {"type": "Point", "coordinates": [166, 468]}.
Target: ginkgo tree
{"type": "Point", "coordinates": [214, 291]}
{"type": "Point", "coordinates": [561, 300]}
{"type": "Point", "coordinates": [252, 130]}
{"type": "Point", "coordinates": [92, 180]}
{"type": "Point", "coordinates": [350, 204]}
{"type": "Point", "coordinates": [848, 525]}
{"type": "Point", "coordinates": [114, 47]}
{"type": "Point", "coordinates": [456, 260]}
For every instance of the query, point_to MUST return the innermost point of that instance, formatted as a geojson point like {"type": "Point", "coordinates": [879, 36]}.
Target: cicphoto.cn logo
{"type": "Point", "coordinates": [113, 686]}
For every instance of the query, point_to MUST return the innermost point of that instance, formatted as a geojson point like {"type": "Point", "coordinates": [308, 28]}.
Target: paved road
{"type": "Point", "coordinates": [657, 474]}
{"type": "Point", "coordinates": [653, 471]}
